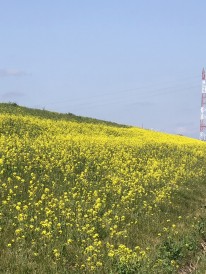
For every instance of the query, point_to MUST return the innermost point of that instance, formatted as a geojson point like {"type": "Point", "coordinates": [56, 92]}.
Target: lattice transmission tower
{"type": "Point", "coordinates": [203, 109]}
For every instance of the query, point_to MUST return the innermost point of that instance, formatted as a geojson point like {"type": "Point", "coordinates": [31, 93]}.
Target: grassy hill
{"type": "Point", "coordinates": [78, 195]}
{"type": "Point", "coordinates": [13, 108]}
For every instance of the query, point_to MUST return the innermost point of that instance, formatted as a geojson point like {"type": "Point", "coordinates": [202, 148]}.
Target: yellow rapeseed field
{"type": "Point", "coordinates": [91, 198]}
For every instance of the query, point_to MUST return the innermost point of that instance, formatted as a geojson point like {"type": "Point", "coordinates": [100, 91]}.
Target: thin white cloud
{"type": "Point", "coordinates": [182, 130]}
{"type": "Point", "coordinates": [12, 94]}
{"type": "Point", "coordinates": [12, 73]}
{"type": "Point", "coordinates": [187, 130]}
{"type": "Point", "coordinates": [142, 103]}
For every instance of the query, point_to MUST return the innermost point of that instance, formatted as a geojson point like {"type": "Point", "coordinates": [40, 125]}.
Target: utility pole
{"type": "Point", "coordinates": [203, 109]}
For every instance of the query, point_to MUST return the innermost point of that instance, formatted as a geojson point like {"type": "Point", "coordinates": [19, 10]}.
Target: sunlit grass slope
{"type": "Point", "coordinates": [93, 197]}
{"type": "Point", "coordinates": [13, 108]}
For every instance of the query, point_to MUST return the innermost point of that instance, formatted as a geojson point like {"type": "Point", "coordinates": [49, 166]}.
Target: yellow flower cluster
{"type": "Point", "coordinates": [78, 192]}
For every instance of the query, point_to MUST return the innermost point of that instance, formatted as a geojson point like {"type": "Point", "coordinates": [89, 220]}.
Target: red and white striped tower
{"type": "Point", "coordinates": [203, 109]}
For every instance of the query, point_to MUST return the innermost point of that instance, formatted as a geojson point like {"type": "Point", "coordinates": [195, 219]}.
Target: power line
{"type": "Point", "coordinates": [141, 92]}
{"type": "Point", "coordinates": [88, 101]}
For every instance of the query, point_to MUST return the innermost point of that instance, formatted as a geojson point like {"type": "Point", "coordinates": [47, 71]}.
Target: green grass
{"type": "Point", "coordinates": [13, 108]}
{"type": "Point", "coordinates": [200, 264]}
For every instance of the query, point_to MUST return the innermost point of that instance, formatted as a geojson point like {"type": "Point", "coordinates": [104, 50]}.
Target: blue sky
{"type": "Point", "coordinates": [132, 62]}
